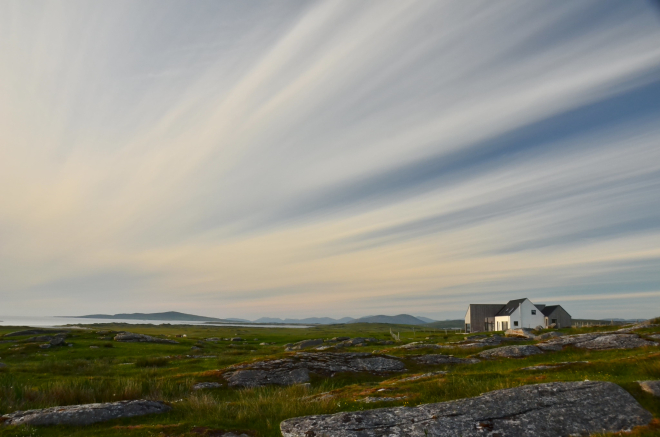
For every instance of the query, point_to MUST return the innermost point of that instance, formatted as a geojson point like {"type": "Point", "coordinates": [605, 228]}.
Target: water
{"type": "Point", "coordinates": [51, 321]}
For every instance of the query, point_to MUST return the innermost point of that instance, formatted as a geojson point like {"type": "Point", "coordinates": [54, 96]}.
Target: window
{"type": "Point", "coordinates": [534, 312]}
{"type": "Point", "coordinates": [515, 323]}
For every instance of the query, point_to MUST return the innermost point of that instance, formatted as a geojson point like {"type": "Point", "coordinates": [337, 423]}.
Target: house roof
{"type": "Point", "coordinates": [540, 306]}
{"type": "Point", "coordinates": [510, 307]}
{"type": "Point", "coordinates": [549, 309]}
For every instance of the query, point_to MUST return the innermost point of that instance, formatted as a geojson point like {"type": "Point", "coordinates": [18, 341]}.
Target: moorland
{"type": "Point", "coordinates": [92, 367]}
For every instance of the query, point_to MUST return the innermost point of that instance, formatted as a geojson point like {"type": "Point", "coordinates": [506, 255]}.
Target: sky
{"type": "Point", "coordinates": [329, 158]}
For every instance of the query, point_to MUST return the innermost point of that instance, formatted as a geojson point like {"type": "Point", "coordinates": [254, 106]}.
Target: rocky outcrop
{"type": "Point", "coordinates": [260, 378]}
{"type": "Point", "coordinates": [645, 324]}
{"type": "Point", "coordinates": [85, 414]}
{"type": "Point", "coordinates": [205, 385]}
{"type": "Point", "coordinates": [554, 365]}
{"type": "Point", "coordinates": [437, 359]}
{"type": "Point", "coordinates": [518, 351]}
{"type": "Point", "coordinates": [128, 337]}
{"type": "Point", "coordinates": [544, 410]}
{"type": "Point", "coordinates": [418, 345]}
{"type": "Point", "coordinates": [295, 369]}
{"type": "Point", "coordinates": [521, 332]}
{"type": "Point", "coordinates": [422, 376]}
{"type": "Point", "coordinates": [549, 335]}
{"type": "Point", "coordinates": [597, 341]}
{"type": "Point", "coordinates": [33, 332]}
{"type": "Point", "coordinates": [304, 344]}
{"type": "Point", "coordinates": [652, 387]}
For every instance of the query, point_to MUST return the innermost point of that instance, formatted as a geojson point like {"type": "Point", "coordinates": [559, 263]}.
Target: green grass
{"type": "Point", "coordinates": [89, 372]}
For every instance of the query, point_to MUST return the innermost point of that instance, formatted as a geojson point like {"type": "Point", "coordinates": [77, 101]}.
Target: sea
{"type": "Point", "coordinates": [56, 321]}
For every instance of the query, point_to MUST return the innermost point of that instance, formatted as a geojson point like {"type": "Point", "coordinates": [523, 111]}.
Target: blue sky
{"type": "Point", "coordinates": [339, 158]}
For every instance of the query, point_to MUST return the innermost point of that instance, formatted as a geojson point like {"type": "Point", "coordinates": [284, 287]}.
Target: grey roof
{"type": "Point", "coordinates": [540, 306]}
{"type": "Point", "coordinates": [549, 309]}
{"type": "Point", "coordinates": [510, 307]}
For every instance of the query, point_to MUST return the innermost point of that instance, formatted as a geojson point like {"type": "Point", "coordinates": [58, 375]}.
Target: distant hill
{"type": "Point", "coordinates": [307, 321]}
{"type": "Point", "coordinates": [458, 323]}
{"type": "Point", "coordinates": [401, 319]}
{"type": "Point", "coordinates": [169, 315]}
{"type": "Point", "coordinates": [426, 319]}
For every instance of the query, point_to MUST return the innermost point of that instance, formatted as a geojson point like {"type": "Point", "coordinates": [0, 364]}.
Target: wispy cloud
{"type": "Point", "coordinates": [328, 158]}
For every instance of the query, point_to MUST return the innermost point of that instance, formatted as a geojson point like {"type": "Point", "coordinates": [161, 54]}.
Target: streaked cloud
{"type": "Point", "coordinates": [329, 158]}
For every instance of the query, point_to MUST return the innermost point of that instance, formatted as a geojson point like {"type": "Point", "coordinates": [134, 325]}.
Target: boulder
{"type": "Point", "coordinates": [652, 387]}
{"type": "Point", "coordinates": [58, 341]}
{"type": "Point", "coordinates": [597, 341]}
{"type": "Point", "coordinates": [340, 338]}
{"type": "Point", "coordinates": [259, 378]}
{"type": "Point", "coordinates": [642, 325]}
{"type": "Point", "coordinates": [539, 328]}
{"type": "Point", "coordinates": [204, 385]}
{"type": "Point", "coordinates": [128, 337]}
{"type": "Point", "coordinates": [237, 339]}
{"type": "Point", "coordinates": [437, 359]}
{"type": "Point", "coordinates": [305, 344]}
{"type": "Point", "coordinates": [2, 365]}
{"type": "Point", "coordinates": [40, 338]}
{"type": "Point", "coordinates": [520, 332]}
{"type": "Point", "coordinates": [549, 335]}
{"type": "Point", "coordinates": [33, 332]}
{"type": "Point", "coordinates": [85, 414]}
{"type": "Point", "coordinates": [518, 351]}
{"type": "Point", "coordinates": [543, 410]}
{"type": "Point", "coordinates": [419, 345]}
{"type": "Point", "coordinates": [295, 369]}
{"type": "Point", "coordinates": [554, 365]}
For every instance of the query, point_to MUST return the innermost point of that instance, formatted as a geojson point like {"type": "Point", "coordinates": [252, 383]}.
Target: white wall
{"type": "Point", "coordinates": [523, 315]}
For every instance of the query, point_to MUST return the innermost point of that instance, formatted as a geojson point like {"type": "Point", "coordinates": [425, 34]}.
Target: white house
{"type": "Point", "coordinates": [519, 313]}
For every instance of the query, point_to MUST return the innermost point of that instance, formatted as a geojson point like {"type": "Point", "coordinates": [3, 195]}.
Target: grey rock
{"type": "Point", "coordinates": [652, 387]}
{"type": "Point", "coordinates": [655, 336]}
{"type": "Point", "coordinates": [423, 376]}
{"type": "Point", "coordinates": [645, 324]}
{"type": "Point", "coordinates": [237, 339]}
{"type": "Point", "coordinates": [539, 328]}
{"type": "Point", "coordinates": [259, 378]}
{"type": "Point", "coordinates": [295, 369]}
{"type": "Point", "coordinates": [2, 365]}
{"type": "Point", "coordinates": [33, 332]}
{"type": "Point", "coordinates": [544, 410]}
{"type": "Point", "coordinates": [437, 359]}
{"type": "Point", "coordinates": [306, 344]}
{"type": "Point", "coordinates": [204, 385]}
{"type": "Point", "coordinates": [40, 338]}
{"type": "Point", "coordinates": [549, 335]}
{"type": "Point", "coordinates": [85, 414]}
{"type": "Point", "coordinates": [58, 341]}
{"type": "Point", "coordinates": [598, 341]}
{"type": "Point", "coordinates": [554, 365]}
{"type": "Point", "coordinates": [419, 345]}
{"type": "Point", "coordinates": [128, 337]}
{"type": "Point", "coordinates": [340, 338]}
{"type": "Point", "coordinates": [520, 332]}
{"type": "Point", "coordinates": [44, 346]}
{"type": "Point", "coordinates": [517, 351]}
{"type": "Point", "coordinates": [372, 399]}
{"type": "Point", "coordinates": [549, 347]}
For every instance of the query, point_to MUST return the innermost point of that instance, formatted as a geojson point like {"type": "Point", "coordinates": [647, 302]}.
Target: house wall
{"type": "Point", "coordinates": [523, 315]}
{"type": "Point", "coordinates": [564, 320]}
{"type": "Point", "coordinates": [477, 313]}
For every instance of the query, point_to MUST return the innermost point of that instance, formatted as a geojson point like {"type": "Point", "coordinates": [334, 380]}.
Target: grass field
{"type": "Point", "coordinates": [97, 369]}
